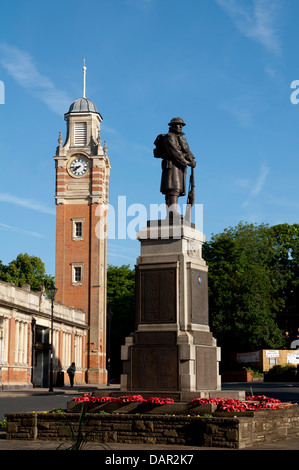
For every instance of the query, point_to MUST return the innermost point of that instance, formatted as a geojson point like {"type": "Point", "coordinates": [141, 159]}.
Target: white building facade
{"type": "Point", "coordinates": [25, 336]}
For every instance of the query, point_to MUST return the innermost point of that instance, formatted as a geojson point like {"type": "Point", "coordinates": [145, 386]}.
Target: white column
{"type": "Point", "coordinates": [16, 352]}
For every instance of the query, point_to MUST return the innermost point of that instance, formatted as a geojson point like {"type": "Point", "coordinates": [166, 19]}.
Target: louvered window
{"type": "Point", "coordinates": [80, 133]}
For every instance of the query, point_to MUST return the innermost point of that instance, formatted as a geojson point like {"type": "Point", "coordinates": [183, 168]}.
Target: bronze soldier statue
{"type": "Point", "coordinates": [176, 156]}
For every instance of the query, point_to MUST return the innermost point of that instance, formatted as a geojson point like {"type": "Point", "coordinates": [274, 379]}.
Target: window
{"type": "Point", "coordinates": [77, 273]}
{"type": "Point", "coordinates": [80, 134]}
{"type": "Point", "coordinates": [77, 231]}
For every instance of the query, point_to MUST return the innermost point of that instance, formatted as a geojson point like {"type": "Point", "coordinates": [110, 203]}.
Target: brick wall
{"type": "Point", "coordinates": [223, 430]}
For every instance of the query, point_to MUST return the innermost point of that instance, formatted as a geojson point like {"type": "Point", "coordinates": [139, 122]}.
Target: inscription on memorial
{"type": "Point", "coordinates": [206, 370]}
{"type": "Point", "coordinates": [199, 297]}
{"type": "Point", "coordinates": [154, 368]}
{"type": "Point", "coordinates": [158, 295]}
{"type": "Point", "coordinates": [156, 337]}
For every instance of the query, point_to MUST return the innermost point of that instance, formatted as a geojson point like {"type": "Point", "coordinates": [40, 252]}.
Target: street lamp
{"type": "Point", "coordinates": [109, 317]}
{"type": "Point", "coordinates": [52, 294]}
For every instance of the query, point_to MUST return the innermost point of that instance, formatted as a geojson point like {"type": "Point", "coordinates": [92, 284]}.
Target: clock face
{"type": "Point", "coordinates": [79, 166]}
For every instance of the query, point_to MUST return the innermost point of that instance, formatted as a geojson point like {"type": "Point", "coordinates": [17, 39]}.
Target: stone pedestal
{"type": "Point", "coordinates": [172, 351]}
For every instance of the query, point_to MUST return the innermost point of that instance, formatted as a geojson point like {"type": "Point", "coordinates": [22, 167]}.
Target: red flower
{"type": "Point", "coordinates": [232, 405]}
{"type": "Point", "coordinates": [159, 401]}
{"type": "Point", "coordinates": [102, 399]}
{"type": "Point", "coordinates": [128, 399]}
{"type": "Point", "coordinates": [223, 404]}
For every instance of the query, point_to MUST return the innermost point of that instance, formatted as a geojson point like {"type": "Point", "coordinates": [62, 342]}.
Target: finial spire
{"type": "Point", "coordinates": [84, 79]}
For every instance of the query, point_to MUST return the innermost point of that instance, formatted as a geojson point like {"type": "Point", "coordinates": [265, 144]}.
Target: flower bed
{"type": "Point", "coordinates": [124, 399]}
{"type": "Point", "coordinates": [252, 403]}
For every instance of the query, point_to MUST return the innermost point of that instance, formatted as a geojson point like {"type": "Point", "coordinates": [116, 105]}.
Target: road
{"type": "Point", "coordinates": [20, 403]}
{"type": "Point", "coordinates": [13, 402]}
{"type": "Point", "coordinates": [285, 392]}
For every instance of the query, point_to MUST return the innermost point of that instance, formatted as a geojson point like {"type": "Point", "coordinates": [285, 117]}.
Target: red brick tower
{"type": "Point", "coordinates": [82, 188]}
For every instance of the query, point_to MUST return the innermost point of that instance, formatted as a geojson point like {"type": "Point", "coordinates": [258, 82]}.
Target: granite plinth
{"type": "Point", "coordinates": [172, 349]}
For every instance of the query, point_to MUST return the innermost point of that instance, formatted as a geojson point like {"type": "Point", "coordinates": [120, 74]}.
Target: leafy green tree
{"type": "Point", "coordinates": [243, 293]}
{"type": "Point", "coordinates": [285, 266]}
{"type": "Point", "coordinates": [121, 302]}
{"type": "Point", "coordinates": [26, 269]}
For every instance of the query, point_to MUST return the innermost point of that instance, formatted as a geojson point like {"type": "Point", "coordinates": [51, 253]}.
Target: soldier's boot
{"type": "Point", "coordinates": [172, 208]}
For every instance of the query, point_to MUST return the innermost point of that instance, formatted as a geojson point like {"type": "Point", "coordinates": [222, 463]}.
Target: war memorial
{"type": "Point", "coordinates": [172, 349]}
{"type": "Point", "coordinates": [170, 390]}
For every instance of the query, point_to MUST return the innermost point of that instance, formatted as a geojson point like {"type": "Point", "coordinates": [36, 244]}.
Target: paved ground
{"type": "Point", "coordinates": [286, 445]}
{"type": "Point", "coordinates": [11, 445]}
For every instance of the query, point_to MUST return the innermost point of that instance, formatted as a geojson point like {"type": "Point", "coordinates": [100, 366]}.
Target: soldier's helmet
{"type": "Point", "coordinates": [176, 120]}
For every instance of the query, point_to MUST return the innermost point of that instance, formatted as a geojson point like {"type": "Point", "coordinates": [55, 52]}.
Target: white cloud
{"type": "Point", "coordinates": [122, 252]}
{"type": "Point", "coordinates": [243, 108]}
{"type": "Point", "coordinates": [256, 19]}
{"type": "Point", "coordinates": [19, 64]}
{"type": "Point", "coordinates": [255, 187]}
{"type": "Point", "coordinates": [119, 254]}
{"type": "Point", "coordinates": [9, 228]}
{"type": "Point", "coordinates": [26, 203]}
{"type": "Point", "coordinates": [119, 142]}
{"type": "Point", "coordinates": [240, 108]}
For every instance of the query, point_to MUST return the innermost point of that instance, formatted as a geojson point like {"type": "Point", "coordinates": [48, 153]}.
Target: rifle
{"type": "Point", "coordinates": [191, 191]}
{"type": "Point", "coordinates": [191, 196]}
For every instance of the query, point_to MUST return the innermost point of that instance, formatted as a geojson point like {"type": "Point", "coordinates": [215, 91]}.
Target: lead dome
{"type": "Point", "coordinates": [83, 105]}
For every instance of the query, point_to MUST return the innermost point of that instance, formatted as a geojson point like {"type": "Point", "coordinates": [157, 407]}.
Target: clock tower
{"type": "Point", "coordinates": [82, 186]}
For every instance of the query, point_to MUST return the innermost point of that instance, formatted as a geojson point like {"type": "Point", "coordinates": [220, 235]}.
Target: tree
{"type": "Point", "coordinates": [121, 302]}
{"type": "Point", "coordinates": [286, 269]}
{"type": "Point", "coordinates": [243, 294]}
{"type": "Point", "coordinates": [26, 269]}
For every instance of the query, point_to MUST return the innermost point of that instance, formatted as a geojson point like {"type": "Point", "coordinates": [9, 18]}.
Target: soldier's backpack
{"type": "Point", "coordinates": [159, 151]}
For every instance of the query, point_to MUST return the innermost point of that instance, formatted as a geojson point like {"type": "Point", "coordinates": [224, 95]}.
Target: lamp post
{"type": "Point", "coordinates": [52, 294]}
{"type": "Point", "coordinates": [109, 317]}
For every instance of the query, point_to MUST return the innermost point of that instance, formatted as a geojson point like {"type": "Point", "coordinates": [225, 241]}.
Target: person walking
{"type": "Point", "coordinates": [71, 372]}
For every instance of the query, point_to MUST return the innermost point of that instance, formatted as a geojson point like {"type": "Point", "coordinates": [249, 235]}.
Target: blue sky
{"type": "Point", "coordinates": [225, 66]}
